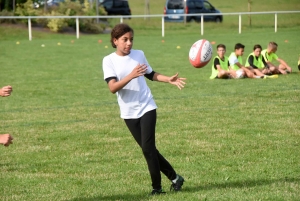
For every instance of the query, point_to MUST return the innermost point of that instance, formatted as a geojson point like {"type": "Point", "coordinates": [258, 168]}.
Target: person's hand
{"type": "Point", "coordinates": [177, 81]}
{"type": "Point", "coordinates": [289, 69]}
{"type": "Point", "coordinates": [6, 139]}
{"type": "Point", "coordinates": [139, 70]}
{"type": "Point", "coordinates": [5, 91]}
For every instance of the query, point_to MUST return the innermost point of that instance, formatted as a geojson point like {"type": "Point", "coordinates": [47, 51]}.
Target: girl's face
{"type": "Point", "coordinates": [221, 52]}
{"type": "Point", "coordinates": [124, 44]}
{"type": "Point", "coordinates": [257, 52]}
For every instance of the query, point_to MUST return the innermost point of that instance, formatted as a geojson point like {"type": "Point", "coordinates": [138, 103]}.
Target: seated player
{"type": "Point", "coordinates": [257, 64]}
{"type": "Point", "coordinates": [220, 66]}
{"type": "Point", "coordinates": [235, 60]}
{"type": "Point", "coordinates": [269, 56]}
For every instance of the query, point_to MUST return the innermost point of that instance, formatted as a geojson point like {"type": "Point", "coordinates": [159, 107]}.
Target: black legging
{"type": "Point", "coordinates": [143, 131]}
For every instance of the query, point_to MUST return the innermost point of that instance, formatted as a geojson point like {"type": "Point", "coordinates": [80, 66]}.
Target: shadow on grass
{"type": "Point", "coordinates": [125, 197]}
{"type": "Point", "coordinates": [239, 184]}
{"type": "Point", "coordinates": [229, 184]}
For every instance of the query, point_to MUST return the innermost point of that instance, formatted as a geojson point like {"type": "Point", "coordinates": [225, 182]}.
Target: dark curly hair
{"type": "Point", "coordinates": [118, 31]}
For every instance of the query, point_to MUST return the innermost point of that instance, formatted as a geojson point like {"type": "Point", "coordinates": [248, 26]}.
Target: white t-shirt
{"type": "Point", "coordinates": [135, 98]}
{"type": "Point", "coordinates": [233, 59]}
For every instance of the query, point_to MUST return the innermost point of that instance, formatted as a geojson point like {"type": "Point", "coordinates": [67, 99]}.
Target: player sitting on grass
{"type": "Point", "coordinates": [269, 56]}
{"type": "Point", "coordinates": [220, 67]}
{"type": "Point", "coordinates": [257, 64]}
{"type": "Point", "coordinates": [235, 60]}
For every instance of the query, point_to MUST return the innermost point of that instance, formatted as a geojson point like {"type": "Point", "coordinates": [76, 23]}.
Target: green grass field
{"type": "Point", "coordinates": [230, 139]}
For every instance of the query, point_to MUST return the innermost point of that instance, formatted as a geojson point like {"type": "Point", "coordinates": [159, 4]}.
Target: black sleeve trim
{"type": "Point", "coordinates": [110, 78]}
{"type": "Point", "coordinates": [264, 61]}
{"type": "Point", "coordinates": [150, 75]}
{"type": "Point", "coordinates": [266, 56]}
{"type": "Point", "coordinates": [250, 60]}
{"type": "Point", "coordinates": [216, 62]}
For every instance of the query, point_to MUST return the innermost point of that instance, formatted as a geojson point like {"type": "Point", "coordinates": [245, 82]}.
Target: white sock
{"type": "Point", "coordinates": [257, 76]}
{"type": "Point", "coordinates": [174, 181]}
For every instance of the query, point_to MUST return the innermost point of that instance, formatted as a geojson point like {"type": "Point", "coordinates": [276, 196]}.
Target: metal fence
{"type": "Point", "coordinates": [239, 14]}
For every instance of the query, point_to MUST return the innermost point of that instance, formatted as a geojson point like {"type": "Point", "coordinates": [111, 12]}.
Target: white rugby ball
{"type": "Point", "coordinates": [200, 53]}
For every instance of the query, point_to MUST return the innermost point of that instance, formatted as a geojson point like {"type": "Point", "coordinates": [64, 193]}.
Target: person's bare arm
{"type": "Point", "coordinates": [239, 65]}
{"type": "Point", "coordinates": [270, 64]}
{"type": "Point", "coordinates": [5, 91]}
{"type": "Point", "coordinates": [281, 61]}
{"type": "Point", "coordinates": [174, 80]}
{"type": "Point", "coordinates": [115, 85]}
{"type": "Point", "coordinates": [219, 68]}
{"type": "Point", "coordinates": [246, 70]}
{"type": "Point", "coordinates": [6, 139]}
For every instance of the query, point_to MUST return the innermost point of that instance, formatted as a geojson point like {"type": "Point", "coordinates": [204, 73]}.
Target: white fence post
{"type": "Point", "coordinates": [240, 23]}
{"type": "Point", "coordinates": [140, 16]}
{"type": "Point", "coordinates": [275, 22]}
{"type": "Point", "coordinates": [162, 26]}
{"type": "Point", "coordinates": [77, 28]}
{"type": "Point", "coordinates": [202, 24]}
{"type": "Point", "coordinates": [29, 29]}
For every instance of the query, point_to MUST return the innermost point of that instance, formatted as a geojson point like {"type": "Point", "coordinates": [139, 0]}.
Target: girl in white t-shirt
{"type": "Point", "coordinates": [124, 71]}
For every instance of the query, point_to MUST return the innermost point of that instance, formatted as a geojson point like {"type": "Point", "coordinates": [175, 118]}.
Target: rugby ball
{"type": "Point", "coordinates": [200, 53]}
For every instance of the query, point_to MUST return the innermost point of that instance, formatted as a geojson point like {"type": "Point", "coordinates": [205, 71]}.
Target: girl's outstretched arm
{"type": "Point", "coordinates": [174, 80]}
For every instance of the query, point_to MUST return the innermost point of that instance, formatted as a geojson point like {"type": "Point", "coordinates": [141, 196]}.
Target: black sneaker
{"type": "Point", "coordinates": [157, 192]}
{"type": "Point", "coordinates": [178, 184]}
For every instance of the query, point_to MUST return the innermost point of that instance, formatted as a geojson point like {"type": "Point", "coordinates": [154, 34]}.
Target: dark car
{"type": "Point", "coordinates": [116, 7]}
{"type": "Point", "coordinates": [175, 7]}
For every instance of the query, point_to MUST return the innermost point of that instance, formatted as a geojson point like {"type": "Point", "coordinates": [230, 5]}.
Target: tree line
{"type": "Point", "coordinates": [10, 5]}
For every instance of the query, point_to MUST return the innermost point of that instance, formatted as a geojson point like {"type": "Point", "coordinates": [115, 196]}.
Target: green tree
{"type": "Point", "coordinates": [6, 5]}
{"type": "Point", "coordinates": [10, 4]}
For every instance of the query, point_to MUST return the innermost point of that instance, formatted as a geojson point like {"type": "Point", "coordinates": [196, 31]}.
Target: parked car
{"type": "Point", "coordinates": [54, 2]}
{"type": "Point", "coordinates": [116, 7]}
{"type": "Point", "coordinates": [175, 7]}
{"type": "Point", "coordinates": [40, 3]}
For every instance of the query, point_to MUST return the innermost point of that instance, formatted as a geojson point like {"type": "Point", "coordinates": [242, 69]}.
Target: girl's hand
{"type": "Point", "coordinates": [5, 91]}
{"type": "Point", "coordinates": [6, 139]}
{"type": "Point", "coordinates": [177, 81]}
{"type": "Point", "coordinates": [139, 70]}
